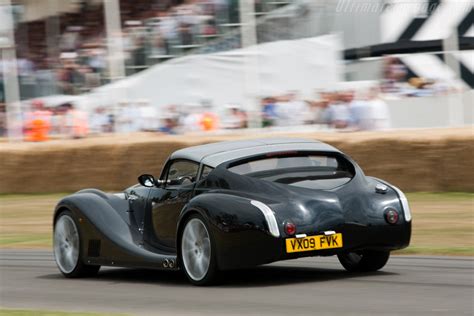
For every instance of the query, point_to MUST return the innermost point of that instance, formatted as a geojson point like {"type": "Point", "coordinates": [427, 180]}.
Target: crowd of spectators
{"type": "Point", "coordinates": [39, 122]}
{"type": "Point", "coordinates": [398, 82]}
{"type": "Point", "coordinates": [346, 110]}
{"type": "Point", "coordinates": [156, 31]}
{"type": "Point", "coordinates": [343, 109]}
{"type": "Point", "coordinates": [74, 59]}
{"type": "Point", "coordinates": [152, 31]}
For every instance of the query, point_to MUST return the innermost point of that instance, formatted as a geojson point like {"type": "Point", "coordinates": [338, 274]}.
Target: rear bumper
{"type": "Point", "coordinates": [251, 248]}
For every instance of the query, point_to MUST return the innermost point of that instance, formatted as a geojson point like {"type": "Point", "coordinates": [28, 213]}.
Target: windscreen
{"type": "Point", "coordinates": [317, 171]}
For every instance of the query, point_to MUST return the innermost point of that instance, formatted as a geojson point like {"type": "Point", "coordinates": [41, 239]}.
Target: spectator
{"type": "Point", "coordinates": [379, 111]}
{"type": "Point", "coordinates": [126, 118]}
{"type": "Point", "coordinates": [139, 54]}
{"type": "Point", "coordinates": [244, 120]}
{"type": "Point", "coordinates": [185, 34]}
{"type": "Point", "coordinates": [236, 119]}
{"type": "Point", "coordinates": [394, 73]}
{"type": "Point", "coordinates": [339, 112]}
{"type": "Point", "coordinates": [190, 121]}
{"type": "Point", "coordinates": [158, 45]}
{"type": "Point", "coordinates": [69, 75]}
{"type": "Point", "coordinates": [291, 111]}
{"type": "Point", "coordinates": [76, 122]}
{"type": "Point", "coordinates": [168, 26]}
{"type": "Point", "coordinates": [96, 60]}
{"type": "Point", "coordinates": [70, 39]}
{"type": "Point", "coordinates": [58, 124]}
{"type": "Point", "coordinates": [269, 114]}
{"type": "Point", "coordinates": [38, 123]}
{"type": "Point", "coordinates": [370, 113]}
{"type": "Point", "coordinates": [361, 116]}
{"type": "Point", "coordinates": [316, 111]}
{"type": "Point", "coordinates": [2, 92]}
{"type": "Point", "coordinates": [110, 127]}
{"type": "Point", "coordinates": [3, 119]}
{"type": "Point", "coordinates": [169, 126]}
{"type": "Point", "coordinates": [209, 121]}
{"type": "Point", "coordinates": [328, 98]}
{"type": "Point", "coordinates": [148, 116]}
{"type": "Point", "coordinates": [99, 121]}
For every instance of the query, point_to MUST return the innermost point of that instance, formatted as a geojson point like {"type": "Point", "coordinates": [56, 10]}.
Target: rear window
{"type": "Point", "coordinates": [275, 163]}
{"type": "Point", "coordinates": [322, 171]}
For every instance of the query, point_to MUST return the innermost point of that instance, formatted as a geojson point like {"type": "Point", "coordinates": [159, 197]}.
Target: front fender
{"type": "Point", "coordinates": [98, 211]}
{"type": "Point", "coordinates": [107, 216]}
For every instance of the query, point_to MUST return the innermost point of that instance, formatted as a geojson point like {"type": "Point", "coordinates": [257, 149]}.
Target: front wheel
{"type": "Point", "coordinates": [366, 261]}
{"type": "Point", "coordinates": [197, 252]}
{"type": "Point", "coordinates": [67, 248]}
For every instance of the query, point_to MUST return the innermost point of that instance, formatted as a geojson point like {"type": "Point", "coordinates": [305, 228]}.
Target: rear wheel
{"type": "Point", "coordinates": [364, 261]}
{"type": "Point", "coordinates": [197, 252]}
{"type": "Point", "coordinates": [67, 248]}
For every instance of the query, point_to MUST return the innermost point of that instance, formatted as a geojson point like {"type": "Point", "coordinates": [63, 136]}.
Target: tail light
{"type": "Point", "coordinates": [290, 228]}
{"type": "Point", "coordinates": [391, 216]}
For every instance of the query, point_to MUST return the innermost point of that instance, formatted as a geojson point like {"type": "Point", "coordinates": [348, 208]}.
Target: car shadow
{"type": "Point", "coordinates": [281, 275]}
{"type": "Point", "coordinates": [267, 275]}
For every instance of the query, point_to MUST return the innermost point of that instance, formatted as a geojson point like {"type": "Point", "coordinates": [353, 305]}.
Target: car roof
{"type": "Point", "coordinates": [217, 153]}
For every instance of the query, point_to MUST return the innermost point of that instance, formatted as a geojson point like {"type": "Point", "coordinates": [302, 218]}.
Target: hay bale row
{"type": "Point", "coordinates": [414, 163]}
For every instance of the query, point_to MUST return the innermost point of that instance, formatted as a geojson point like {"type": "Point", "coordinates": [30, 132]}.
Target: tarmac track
{"type": "Point", "coordinates": [311, 286]}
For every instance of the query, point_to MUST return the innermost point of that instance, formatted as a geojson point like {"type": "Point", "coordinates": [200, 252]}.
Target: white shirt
{"type": "Point", "coordinates": [340, 112]}
{"type": "Point", "coordinates": [292, 113]}
{"type": "Point", "coordinates": [148, 118]}
{"type": "Point", "coordinates": [380, 114]}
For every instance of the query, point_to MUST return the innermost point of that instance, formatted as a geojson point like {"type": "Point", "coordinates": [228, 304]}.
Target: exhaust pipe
{"type": "Point", "coordinates": [169, 263]}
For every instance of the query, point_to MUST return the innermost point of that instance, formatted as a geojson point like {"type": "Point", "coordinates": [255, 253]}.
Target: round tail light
{"type": "Point", "coordinates": [290, 228]}
{"type": "Point", "coordinates": [391, 216]}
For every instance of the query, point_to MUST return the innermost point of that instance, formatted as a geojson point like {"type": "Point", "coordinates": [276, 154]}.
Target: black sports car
{"type": "Point", "coordinates": [236, 204]}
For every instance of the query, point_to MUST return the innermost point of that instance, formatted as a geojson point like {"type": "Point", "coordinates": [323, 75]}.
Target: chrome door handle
{"type": "Point", "coordinates": [132, 197]}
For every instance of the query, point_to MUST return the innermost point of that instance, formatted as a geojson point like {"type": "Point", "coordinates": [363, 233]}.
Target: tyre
{"type": "Point", "coordinates": [366, 261]}
{"type": "Point", "coordinates": [197, 253]}
{"type": "Point", "coordinates": [68, 249]}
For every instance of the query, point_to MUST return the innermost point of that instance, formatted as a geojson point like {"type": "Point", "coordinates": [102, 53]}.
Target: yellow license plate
{"type": "Point", "coordinates": [314, 243]}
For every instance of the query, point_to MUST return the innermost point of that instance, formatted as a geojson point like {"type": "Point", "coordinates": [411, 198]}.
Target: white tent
{"type": "Point", "coordinates": [238, 76]}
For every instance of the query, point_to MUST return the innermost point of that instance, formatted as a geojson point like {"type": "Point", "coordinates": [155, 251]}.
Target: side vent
{"type": "Point", "coordinates": [94, 248]}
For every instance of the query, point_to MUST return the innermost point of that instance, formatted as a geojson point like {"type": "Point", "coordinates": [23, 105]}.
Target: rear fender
{"type": "Point", "coordinates": [239, 230]}
{"type": "Point", "coordinates": [226, 212]}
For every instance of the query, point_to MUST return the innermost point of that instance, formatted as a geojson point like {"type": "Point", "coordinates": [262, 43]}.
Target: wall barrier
{"type": "Point", "coordinates": [414, 160]}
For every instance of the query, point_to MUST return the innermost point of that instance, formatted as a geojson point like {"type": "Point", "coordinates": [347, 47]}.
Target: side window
{"type": "Point", "coordinates": [205, 172]}
{"type": "Point", "coordinates": [182, 172]}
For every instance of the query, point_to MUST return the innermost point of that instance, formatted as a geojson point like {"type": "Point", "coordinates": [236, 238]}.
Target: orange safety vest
{"type": "Point", "coordinates": [209, 121]}
{"type": "Point", "coordinates": [38, 126]}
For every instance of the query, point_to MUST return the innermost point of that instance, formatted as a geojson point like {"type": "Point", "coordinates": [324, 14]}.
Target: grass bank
{"type": "Point", "coordinates": [442, 222]}
{"type": "Point", "coordinates": [18, 312]}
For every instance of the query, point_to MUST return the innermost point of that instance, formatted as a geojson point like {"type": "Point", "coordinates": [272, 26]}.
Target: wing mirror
{"type": "Point", "coordinates": [147, 180]}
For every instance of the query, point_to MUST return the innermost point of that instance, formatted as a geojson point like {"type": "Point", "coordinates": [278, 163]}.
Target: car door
{"type": "Point", "coordinates": [137, 203]}
{"type": "Point", "coordinates": [167, 202]}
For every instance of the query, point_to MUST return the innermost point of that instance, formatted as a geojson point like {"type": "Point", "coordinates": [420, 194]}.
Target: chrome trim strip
{"type": "Point", "coordinates": [269, 217]}
{"type": "Point", "coordinates": [404, 201]}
